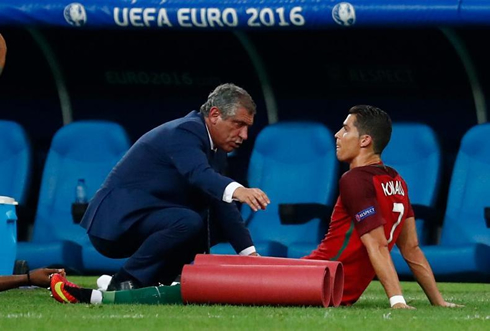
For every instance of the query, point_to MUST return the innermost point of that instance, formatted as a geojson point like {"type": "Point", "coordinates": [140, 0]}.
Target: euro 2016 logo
{"type": "Point", "coordinates": [75, 14]}
{"type": "Point", "coordinates": [344, 14]}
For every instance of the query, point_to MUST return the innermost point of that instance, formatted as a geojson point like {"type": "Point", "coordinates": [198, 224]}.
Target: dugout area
{"type": "Point", "coordinates": [431, 68]}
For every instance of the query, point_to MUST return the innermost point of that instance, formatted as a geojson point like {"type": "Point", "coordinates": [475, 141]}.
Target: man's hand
{"type": "Point", "coordinates": [402, 305]}
{"type": "Point", "coordinates": [40, 277]}
{"type": "Point", "coordinates": [254, 197]}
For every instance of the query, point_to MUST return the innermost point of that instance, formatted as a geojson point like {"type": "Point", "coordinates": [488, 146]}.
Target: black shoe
{"type": "Point", "coordinates": [121, 286]}
{"type": "Point", "coordinates": [123, 281]}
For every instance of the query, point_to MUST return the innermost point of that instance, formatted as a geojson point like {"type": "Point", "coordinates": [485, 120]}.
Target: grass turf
{"type": "Point", "coordinates": [33, 309]}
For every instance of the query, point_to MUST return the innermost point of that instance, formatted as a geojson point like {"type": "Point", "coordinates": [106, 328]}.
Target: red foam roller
{"type": "Point", "coordinates": [256, 285]}
{"type": "Point", "coordinates": [335, 267]}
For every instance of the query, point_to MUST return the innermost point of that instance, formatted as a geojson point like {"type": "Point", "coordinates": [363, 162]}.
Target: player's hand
{"type": "Point", "coordinates": [402, 305]}
{"type": "Point", "coordinates": [254, 197]}
{"type": "Point", "coordinates": [40, 277]}
{"type": "Point", "coordinates": [450, 305]}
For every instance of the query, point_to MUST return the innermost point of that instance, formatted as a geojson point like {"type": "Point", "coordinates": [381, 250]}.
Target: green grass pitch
{"type": "Point", "coordinates": [34, 309]}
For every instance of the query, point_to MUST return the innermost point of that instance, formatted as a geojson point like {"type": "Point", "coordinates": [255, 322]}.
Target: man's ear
{"type": "Point", "coordinates": [214, 115]}
{"type": "Point", "coordinates": [366, 140]}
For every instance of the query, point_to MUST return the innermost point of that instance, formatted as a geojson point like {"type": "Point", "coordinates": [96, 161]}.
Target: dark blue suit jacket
{"type": "Point", "coordinates": [170, 166]}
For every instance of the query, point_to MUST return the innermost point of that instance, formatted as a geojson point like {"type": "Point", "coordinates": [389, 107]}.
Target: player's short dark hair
{"type": "Point", "coordinates": [375, 122]}
{"type": "Point", "coordinates": [228, 98]}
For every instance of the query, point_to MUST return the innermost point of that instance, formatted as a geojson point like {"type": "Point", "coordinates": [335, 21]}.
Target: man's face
{"type": "Point", "coordinates": [229, 134]}
{"type": "Point", "coordinates": [347, 140]}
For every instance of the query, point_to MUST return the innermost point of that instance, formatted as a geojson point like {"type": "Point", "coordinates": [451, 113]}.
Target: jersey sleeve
{"type": "Point", "coordinates": [358, 196]}
{"type": "Point", "coordinates": [410, 212]}
{"type": "Point", "coordinates": [408, 207]}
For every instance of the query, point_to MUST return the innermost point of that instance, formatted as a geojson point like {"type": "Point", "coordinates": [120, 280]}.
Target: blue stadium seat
{"type": "Point", "coordinates": [8, 235]}
{"type": "Point", "coordinates": [15, 170]}
{"type": "Point", "coordinates": [15, 161]}
{"type": "Point", "coordinates": [293, 162]}
{"type": "Point", "coordinates": [85, 149]}
{"type": "Point", "coordinates": [464, 250]}
{"type": "Point", "coordinates": [414, 151]}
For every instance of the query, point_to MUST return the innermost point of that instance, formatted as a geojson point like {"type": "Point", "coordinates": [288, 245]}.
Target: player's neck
{"type": "Point", "coordinates": [364, 160]}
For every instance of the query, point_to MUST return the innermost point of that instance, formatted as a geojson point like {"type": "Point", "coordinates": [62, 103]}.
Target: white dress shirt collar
{"type": "Point", "coordinates": [210, 140]}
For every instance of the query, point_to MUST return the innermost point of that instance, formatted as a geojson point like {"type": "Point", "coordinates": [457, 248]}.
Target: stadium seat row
{"type": "Point", "coordinates": [82, 150]}
{"type": "Point", "coordinates": [294, 162]}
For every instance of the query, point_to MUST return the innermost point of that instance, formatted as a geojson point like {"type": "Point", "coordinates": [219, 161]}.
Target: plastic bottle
{"type": "Point", "coordinates": [81, 192]}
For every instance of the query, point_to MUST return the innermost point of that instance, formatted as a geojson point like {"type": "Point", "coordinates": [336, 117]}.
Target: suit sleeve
{"type": "Point", "coordinates": [230, 223]}
{"type": "Point", "coordinates": [187, 151]}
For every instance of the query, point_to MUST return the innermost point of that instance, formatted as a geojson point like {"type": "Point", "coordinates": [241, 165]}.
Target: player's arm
{"type": "Point", "coordinates": [379, 255]}
{"type": "Point", "coordinates": [14, 281]}
{"type": "Point", "coordinates": [409, 247]}
{"type": "Point", "coordinates": [38, 277]}
{"type": "Point", "coordinates": [3, 53]}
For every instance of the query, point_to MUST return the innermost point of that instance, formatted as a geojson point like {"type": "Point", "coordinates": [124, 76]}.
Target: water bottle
{"type": "Point", "coordinates": [81, 192]}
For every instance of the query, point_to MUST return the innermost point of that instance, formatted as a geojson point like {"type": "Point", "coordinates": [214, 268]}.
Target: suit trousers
{"type": "Point", "coordinates": [158, 245]}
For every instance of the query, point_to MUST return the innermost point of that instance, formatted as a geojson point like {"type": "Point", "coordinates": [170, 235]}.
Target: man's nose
{"type": "Point", "coordinates": [244, 133]}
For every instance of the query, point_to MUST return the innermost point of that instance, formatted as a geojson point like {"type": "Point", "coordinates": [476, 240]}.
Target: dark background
{"type": "Point", "coordinates": [141, 79]}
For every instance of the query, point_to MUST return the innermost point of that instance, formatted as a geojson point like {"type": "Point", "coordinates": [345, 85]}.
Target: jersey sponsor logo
{"type": "Point", "coordinates": [392, 188]}
{"type": "Point", "coordinates": [365, 213]}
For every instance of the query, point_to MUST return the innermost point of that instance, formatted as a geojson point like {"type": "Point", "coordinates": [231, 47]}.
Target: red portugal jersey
{"type": "Point", "coordinates": [370, 196]}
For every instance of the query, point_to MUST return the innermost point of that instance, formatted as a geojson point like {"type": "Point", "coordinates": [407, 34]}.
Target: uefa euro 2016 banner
{"type": "Point", "coordinates": [242, 14]}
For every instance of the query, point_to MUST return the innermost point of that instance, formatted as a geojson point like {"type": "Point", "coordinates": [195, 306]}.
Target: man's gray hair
{"type": "Point", "coordinates": [228, 98]}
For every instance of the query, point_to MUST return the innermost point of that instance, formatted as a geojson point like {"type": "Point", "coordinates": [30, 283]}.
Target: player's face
{"type": "Point", "coordinates": [347, 140]}
{"type": "Point", "coordinates": [230, 133]}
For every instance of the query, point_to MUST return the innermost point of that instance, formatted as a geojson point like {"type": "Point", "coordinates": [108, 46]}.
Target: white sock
{"type": "Point", "coordinates": [103, 282]}
{"type": "Point", "coordinates": [96, 297]}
